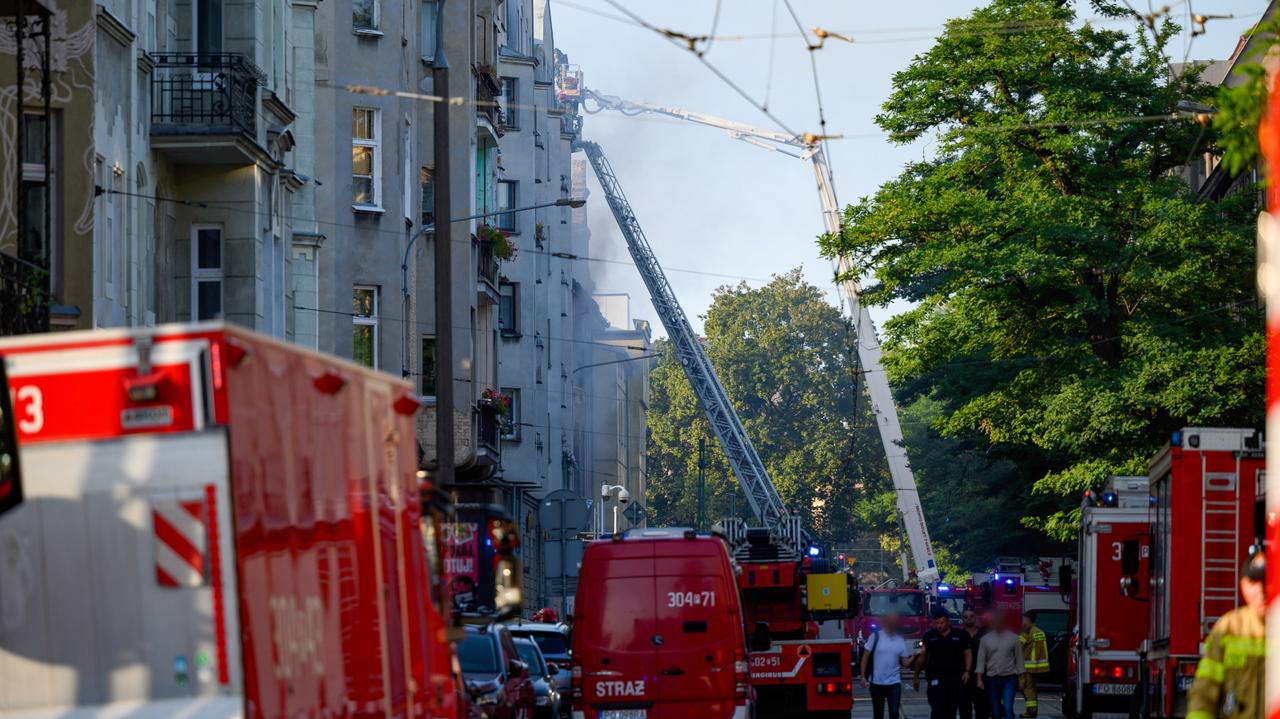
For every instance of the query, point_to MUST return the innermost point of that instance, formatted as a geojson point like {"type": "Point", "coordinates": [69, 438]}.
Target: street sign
{"type": "Point", "coordinates": [635, 513]}
{"type": "Point", "coordinates": [563, 515]}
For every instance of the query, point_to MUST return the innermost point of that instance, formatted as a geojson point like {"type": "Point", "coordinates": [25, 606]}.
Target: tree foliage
{"type": "Point", "coordinates": [1071, 302]}
{"type": "Point", "coordinates": [1242, 101]}
{"type": "Point", "coordinates": [786, 359]}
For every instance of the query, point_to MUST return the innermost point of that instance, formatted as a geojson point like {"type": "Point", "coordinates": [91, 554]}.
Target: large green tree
{"type": "Point", "coordinates": [1071, 302]}
{"type": "Point", "coordinates": [787, 360]}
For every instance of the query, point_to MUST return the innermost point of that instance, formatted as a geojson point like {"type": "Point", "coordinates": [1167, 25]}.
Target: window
{"type": "Point", "coordinates": [37, 198]}
{"type": "Point", "coordinates": [364, 14]}
{"type": "Point", "coordinates": [507, 193]}
{"type": "Point", "coordinates": [207, 27]}
{"type": "Point", "coordinates": [206, 272]}
{"type": "Point", "coordinates": [508, 293]}
{"type": "Point", "coordinates": [428, 183]}
{"type": "Point", "coordinates": [427, 32]}
{"type": "Point", "coordinates": [366, 158]}
{"type": "Point", "coordinates": [510, 101]}
{"type": "Point", "coordinates": [364, 320]}
{"type": "Point", "coordinates": [511, 430]}
{"type": "Point", "coordinates": [428, 383]}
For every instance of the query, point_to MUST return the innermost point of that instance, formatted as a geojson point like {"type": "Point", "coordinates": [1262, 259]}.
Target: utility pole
{"type": "Point", "coordinates": [445, 463]}
{"type": "Point", "coordinates": [702, 483]}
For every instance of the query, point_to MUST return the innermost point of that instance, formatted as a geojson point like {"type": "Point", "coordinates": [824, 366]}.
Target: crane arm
{"type": "Point", "coordinates": [632, 107]}
{"type": "Point", "coordinates": [747, 466]}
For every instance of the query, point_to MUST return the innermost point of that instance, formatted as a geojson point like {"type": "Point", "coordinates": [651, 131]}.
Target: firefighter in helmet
{"type": "Point", "coordinates": [1230, 678]}
{"type": "Point", "coordinates": [546, 614]}
{"type": "Point", "coordinates": [1035, 652]}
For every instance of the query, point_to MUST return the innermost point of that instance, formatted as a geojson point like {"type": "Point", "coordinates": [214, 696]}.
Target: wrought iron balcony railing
{"type": "Point", "coordinates": [196, 93]}
{"type": "Point", "coordinates": [24, 295]}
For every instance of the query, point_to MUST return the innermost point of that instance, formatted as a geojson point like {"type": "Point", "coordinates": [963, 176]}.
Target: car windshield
{"type": "Point", "coordinates": [955, 605]}
{"type": "Point", "coordinates": [552, 644]}
{"type": "Point", "coordinates": [530, 655]}
{"type": "Point", "coordinates": [902, 603]}
{"type": "Point", "coordinates": [477, 655]}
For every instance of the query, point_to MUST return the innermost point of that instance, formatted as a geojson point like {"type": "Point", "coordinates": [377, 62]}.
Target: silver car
{"type": "Point", "coordinates": [553, 640]}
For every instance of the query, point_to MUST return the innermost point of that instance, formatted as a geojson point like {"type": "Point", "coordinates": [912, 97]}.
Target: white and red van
{"type": "Point", "coordinates": [657, 629]}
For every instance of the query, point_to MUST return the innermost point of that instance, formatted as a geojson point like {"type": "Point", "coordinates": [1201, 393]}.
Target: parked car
{"type": "Point", "coordinates": [553, 642]}
{"type": "Point", "coordinates": [497, 679]}
{"type": "Point", "coordinates": [546, 696]}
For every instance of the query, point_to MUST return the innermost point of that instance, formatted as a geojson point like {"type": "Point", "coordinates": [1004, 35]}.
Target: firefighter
{"type": "Point", "coordinates": [1229, 681]}
{"type": "Point", "coordinates": [1035, 652]}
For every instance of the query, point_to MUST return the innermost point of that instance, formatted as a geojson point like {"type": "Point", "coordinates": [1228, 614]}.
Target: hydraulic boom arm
{"type": "Point", "coordinates": [808, 147]}
{"type": "Point", "coordinates": [746, 464]}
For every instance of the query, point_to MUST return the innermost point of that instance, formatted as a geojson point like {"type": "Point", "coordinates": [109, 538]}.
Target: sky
{"type": "Point", "coordinates": [719, 211]}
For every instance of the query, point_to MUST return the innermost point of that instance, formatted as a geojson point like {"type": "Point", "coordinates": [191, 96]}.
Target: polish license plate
{"type": "Point", "coordinates": [1184, 683]}
{"type": "Point", "coordinates": [623, 714]}
{"type": "Point", "coordinates": [1113, 689]}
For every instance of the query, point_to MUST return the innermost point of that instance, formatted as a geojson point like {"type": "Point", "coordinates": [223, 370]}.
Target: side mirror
{"type": "Point", "coordinates": [1130, 553]}
{"type": "Point", "coordinates": [553, 668]}
{"type": "Point", "coordinates": [10, 472]}
{"type": "Point", "coordinates": [761, 641]}
{"type": "Point", "coordinates": [1066, 580]}
{"type": "Point", "coordinates": [517, 668]}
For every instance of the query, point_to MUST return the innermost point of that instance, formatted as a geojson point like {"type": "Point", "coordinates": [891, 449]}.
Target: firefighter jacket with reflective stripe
{"type": "Point", "coordinates": [1035, 650]}
{"type": "Point", "coordinates": [1229, 681]}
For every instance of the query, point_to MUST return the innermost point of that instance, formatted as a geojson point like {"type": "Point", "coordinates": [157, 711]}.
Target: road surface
{"type": "Point", "coordinates": [914, 705]}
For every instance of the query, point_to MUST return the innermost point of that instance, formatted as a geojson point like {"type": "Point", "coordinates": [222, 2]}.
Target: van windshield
{"type": "Point", "coordinates": [477, 655]}
{"type": "Point", "coordinates": [901, 603]}
{"type": "Point", "coordinates": [530, 655]}
{"type": "Point", "coordinates": [552, 644]}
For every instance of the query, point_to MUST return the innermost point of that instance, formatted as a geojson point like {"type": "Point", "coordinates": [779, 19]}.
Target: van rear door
{"type": "Point", "coordinates": [700, 623]}
{"type": "Point", "coordinates": [615, 636]}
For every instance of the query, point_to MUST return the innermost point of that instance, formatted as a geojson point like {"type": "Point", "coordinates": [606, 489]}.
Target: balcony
{"type": "Point", "coordinates": [204, 108]}
{"type": "Point", "coordinates": [488, 433]}
{"type": "Point", "coordinates": [24, 293]}
{"type": "Point", "coordinates": [488, 93]}
{"type": "Point", "coordinates": [486, 273]}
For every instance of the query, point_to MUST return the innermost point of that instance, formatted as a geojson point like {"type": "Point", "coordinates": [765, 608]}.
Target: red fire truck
{"type": "Point", "coordinates": [784, 595]}
{"type": "Point", "coordinates": [909, 603]}
{"type": "Point", "coordinates": [1205, 489]}
{"type": "Point", "coordinates": [217, 524]}
{"type": "Point", "coordinates": [1104, 668]}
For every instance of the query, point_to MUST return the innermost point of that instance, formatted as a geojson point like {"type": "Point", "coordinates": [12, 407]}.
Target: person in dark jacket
{"type": "Point", "coordinates": [947, 660]}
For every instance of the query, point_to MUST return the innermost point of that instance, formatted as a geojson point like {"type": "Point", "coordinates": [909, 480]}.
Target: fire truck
{"type": "Point", "coordinates": [785, 593]}
{"type": "Point", "coordinates": [911, 604]}
{"type": "Point", "coordinates": [1103, 670]}
{"type": "Point", "coordinates": [1206, 487]}
{"type": "Point", "coordinates": [210, 523]}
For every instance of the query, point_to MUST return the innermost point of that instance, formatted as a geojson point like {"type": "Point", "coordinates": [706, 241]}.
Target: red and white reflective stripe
{"type": "Point", "coordinates": [181, 542]}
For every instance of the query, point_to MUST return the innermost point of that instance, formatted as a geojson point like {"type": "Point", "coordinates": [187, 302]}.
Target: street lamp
{"type": "Point", "coordinates": [573, 202]}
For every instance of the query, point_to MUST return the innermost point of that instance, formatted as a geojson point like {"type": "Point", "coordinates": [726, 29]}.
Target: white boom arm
{"type": "Point", "coordinates": [807, 147]}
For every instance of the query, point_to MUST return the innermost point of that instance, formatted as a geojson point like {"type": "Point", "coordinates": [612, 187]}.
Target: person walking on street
{"type": "Point", "coordinates": [973, 701]}
{"type": "Point", "coordinates": [883, 657]}
{"type": "Point", "coordinates": [947, 659]}
{"type": "Point", "coordinates": [1035, 652]}
{"type": "Point", "coordinates": [999, 665]}
{"type": "Point", "coordinates": [1230, 678]}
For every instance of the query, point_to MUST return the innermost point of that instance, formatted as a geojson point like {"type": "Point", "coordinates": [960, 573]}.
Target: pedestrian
{"type": "Point", "coordinates": [883, 657]}
{"type": "Point", "coordinates": [1230, 679]}
{"type": "Point", "coordinates": [1035, 653]}
{"type": "Point", "coordinates": [946, 658]}
{"type": "Point", "coordinates": [973, 701]}
{"type": "Point", "coordinates": [999, 665]}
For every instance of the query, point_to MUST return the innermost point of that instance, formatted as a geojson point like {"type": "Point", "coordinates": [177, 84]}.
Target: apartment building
{"type": "Point", "coordinates": [376, 200]}
{"type": "Point", "coordinates": [175, 178]}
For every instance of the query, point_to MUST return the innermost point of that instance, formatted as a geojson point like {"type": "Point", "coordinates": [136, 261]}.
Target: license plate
{"type": "Point", "coordinates": [623, 714]}
{"type": "Point", "coordinates": [1184, 683]}
{"type": "Point", "coordinates": [1113, 689]}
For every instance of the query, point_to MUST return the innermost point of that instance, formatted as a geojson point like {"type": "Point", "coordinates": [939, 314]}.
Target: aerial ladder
{"type": "Point", "coordinates": [745, 462]}
{"type": "Point", "coordinates": [803, 147]}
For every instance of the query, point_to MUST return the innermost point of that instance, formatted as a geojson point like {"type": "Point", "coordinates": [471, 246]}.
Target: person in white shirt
{"type": "Point", "coordinates": [884, 655]}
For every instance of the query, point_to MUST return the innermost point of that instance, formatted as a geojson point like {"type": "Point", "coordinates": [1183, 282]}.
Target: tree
{"type": "Point", "coordinates": [786, 359]}
{"type": "Point", "coordinates": [1071, 303]}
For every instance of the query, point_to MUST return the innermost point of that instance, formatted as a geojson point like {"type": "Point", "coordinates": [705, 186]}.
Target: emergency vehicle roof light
{"type": "Point", "coordinates": [1008, 582]}
{"type": "Point", "coordinates": [814, 551]}
{"type": "Point", "coordinates": [943, 588]}
{"type": "Point", "coordinates": [1109, 499]}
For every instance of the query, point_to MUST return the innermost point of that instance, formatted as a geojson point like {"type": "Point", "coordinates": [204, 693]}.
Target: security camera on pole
{"type": "Point", "coordinates": [623, 496]}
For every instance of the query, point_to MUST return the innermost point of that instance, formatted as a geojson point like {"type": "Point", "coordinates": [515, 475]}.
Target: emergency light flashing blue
{"type": "Point", "coordinates": [943, 588]}
{"type": "Point", "coordinates": [1008, 582]}
{"type": "Point", "coordinates": [814, 551]}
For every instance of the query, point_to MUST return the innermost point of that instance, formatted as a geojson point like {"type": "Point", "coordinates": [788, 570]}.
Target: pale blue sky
{"type": "Point", "coordinates": [713, 204]}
